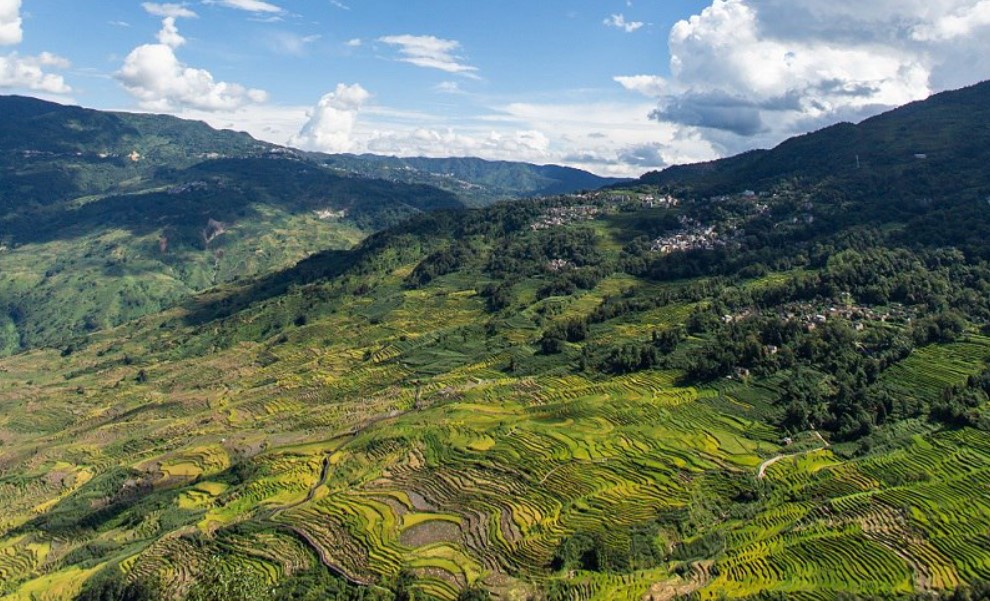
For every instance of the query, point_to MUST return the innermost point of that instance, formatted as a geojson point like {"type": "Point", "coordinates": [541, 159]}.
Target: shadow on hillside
{"type": "Point", "coordinates": [226, 190]}
{"type": "Point", "coordinates": [224, 304]}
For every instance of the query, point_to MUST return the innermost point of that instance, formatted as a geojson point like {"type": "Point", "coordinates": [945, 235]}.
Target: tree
{"type": "Point", "coordinates": [220, 581]}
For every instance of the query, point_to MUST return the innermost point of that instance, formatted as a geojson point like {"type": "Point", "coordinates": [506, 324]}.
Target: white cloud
{"type": "Point", "coordinates": [514, 145]}
{"type": "Point", "coordinates": [155, 76]}
{"type": "Point", "coordinates": [449, 87]}
{"type": "Point", "coordinates": [963, 22]}
{"type": "Point", "coordinates": [291, 44]}
{"type": "Point", "coordinates": [254, 6]}
{"type": "Point", "coordinates": [354, 43]}
{"type": "Point", "coordinates": [271, 122]}
{"type": "Point", "coordinates": [174, 11]}
{"type": "Point", "coordinates": [169, 34]}
{"type": "Point", "coordinates": [28, 72]}
{"type": "Point", "coordinates": [647, 85]}
{"type": "Point", "coordinates": [430, 52]}
{"type": "Point", "coordinates": [748, 73]}
{"type": "Point", "coordinates": [619, 22]}
{"type": "Point", "coordinates": [10, 22]}
{"type": "Point", "coordinates": [624, 140]}
{"type": "Point", "coordinates": [332, 122]}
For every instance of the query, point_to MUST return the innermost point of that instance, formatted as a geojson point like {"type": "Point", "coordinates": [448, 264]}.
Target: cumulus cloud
{"type": "Point", "coordinates": [751, 72]}
{"type": "Point", "coordinates": [332, 122]}
{"type": "Point", "coordinates": [28, 72]}
{"type": "Point", "coordinates": [10, 22]}
{"type": "Point", "coordinates": [619, 22]}
{"type": "Point", "coordinates": [254, 6]}
{"type": "Point", "coordinates": [430, 52]}
{"type": "Point", "coordinates": [169, 34]}
{"type": "Point", "coordinates": [155, 76]}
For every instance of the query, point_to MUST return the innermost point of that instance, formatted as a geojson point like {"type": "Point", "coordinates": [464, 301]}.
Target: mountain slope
{"type": "Point", "coordinates": [622, 395]}
{"type": "Point", "coordinates": [51, 153]}
{"type": "Point", "coordinates": [923, 145]}
{"type": "Point", "coordinates": [105, 217]}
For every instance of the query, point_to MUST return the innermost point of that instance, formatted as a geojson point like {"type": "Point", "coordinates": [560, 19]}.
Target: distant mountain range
{"type": "Point", "coordinates": [478, 181]}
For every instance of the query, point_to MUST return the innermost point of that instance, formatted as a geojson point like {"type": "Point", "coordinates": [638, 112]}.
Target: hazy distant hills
{"type": "Point", "coordinates": [477, 180]}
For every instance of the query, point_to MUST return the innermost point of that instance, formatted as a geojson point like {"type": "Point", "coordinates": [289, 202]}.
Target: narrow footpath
{"type": "Point", "coordinates": [761, 474]}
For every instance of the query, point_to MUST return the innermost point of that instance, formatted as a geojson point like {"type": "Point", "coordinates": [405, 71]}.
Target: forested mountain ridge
{"type": "Point", "coordinates": [779, 391]}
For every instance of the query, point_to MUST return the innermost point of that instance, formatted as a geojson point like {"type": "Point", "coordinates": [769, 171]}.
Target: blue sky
{"type": "Point", "coordinates": [613, 86]}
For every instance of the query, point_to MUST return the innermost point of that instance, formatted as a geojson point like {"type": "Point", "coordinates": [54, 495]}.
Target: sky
{"type": "Point", "coordinates": [617, 87]}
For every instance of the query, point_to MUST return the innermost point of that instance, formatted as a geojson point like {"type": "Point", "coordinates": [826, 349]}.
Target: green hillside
{"type": "Point", "coordinates": [655, 392]}
{"type": "Point", "coordinates": [105, 217]}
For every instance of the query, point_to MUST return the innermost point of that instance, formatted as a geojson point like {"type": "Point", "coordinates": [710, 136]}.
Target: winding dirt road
{"type": "Point", "coordinates": [761, 474]}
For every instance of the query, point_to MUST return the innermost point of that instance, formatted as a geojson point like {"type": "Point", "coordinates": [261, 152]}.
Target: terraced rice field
{"type": "Point", "coordinates": [390, 436]}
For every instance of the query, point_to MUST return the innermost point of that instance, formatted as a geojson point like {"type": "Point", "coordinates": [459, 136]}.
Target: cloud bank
{"type": "Point", "coordinates": [748, 73]}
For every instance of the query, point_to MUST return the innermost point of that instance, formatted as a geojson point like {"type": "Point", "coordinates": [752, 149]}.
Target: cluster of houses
{"type": "Point", "coordinates": [326, 214]}
{"type": "Point", "coordinates": [811, 315]}
{"type": "Point", "coordinates": [666, 202]}
{"type": "Point", "coordinates": [34, 154]}
{"type": "Point", "coordinates": [650, 201]}
{"type": "Point", "coordinates": [133, 156]}
{"type": "Point", "coordinates": [559, 216]}
{"type": "Point", "coordinates": [693, 236]}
